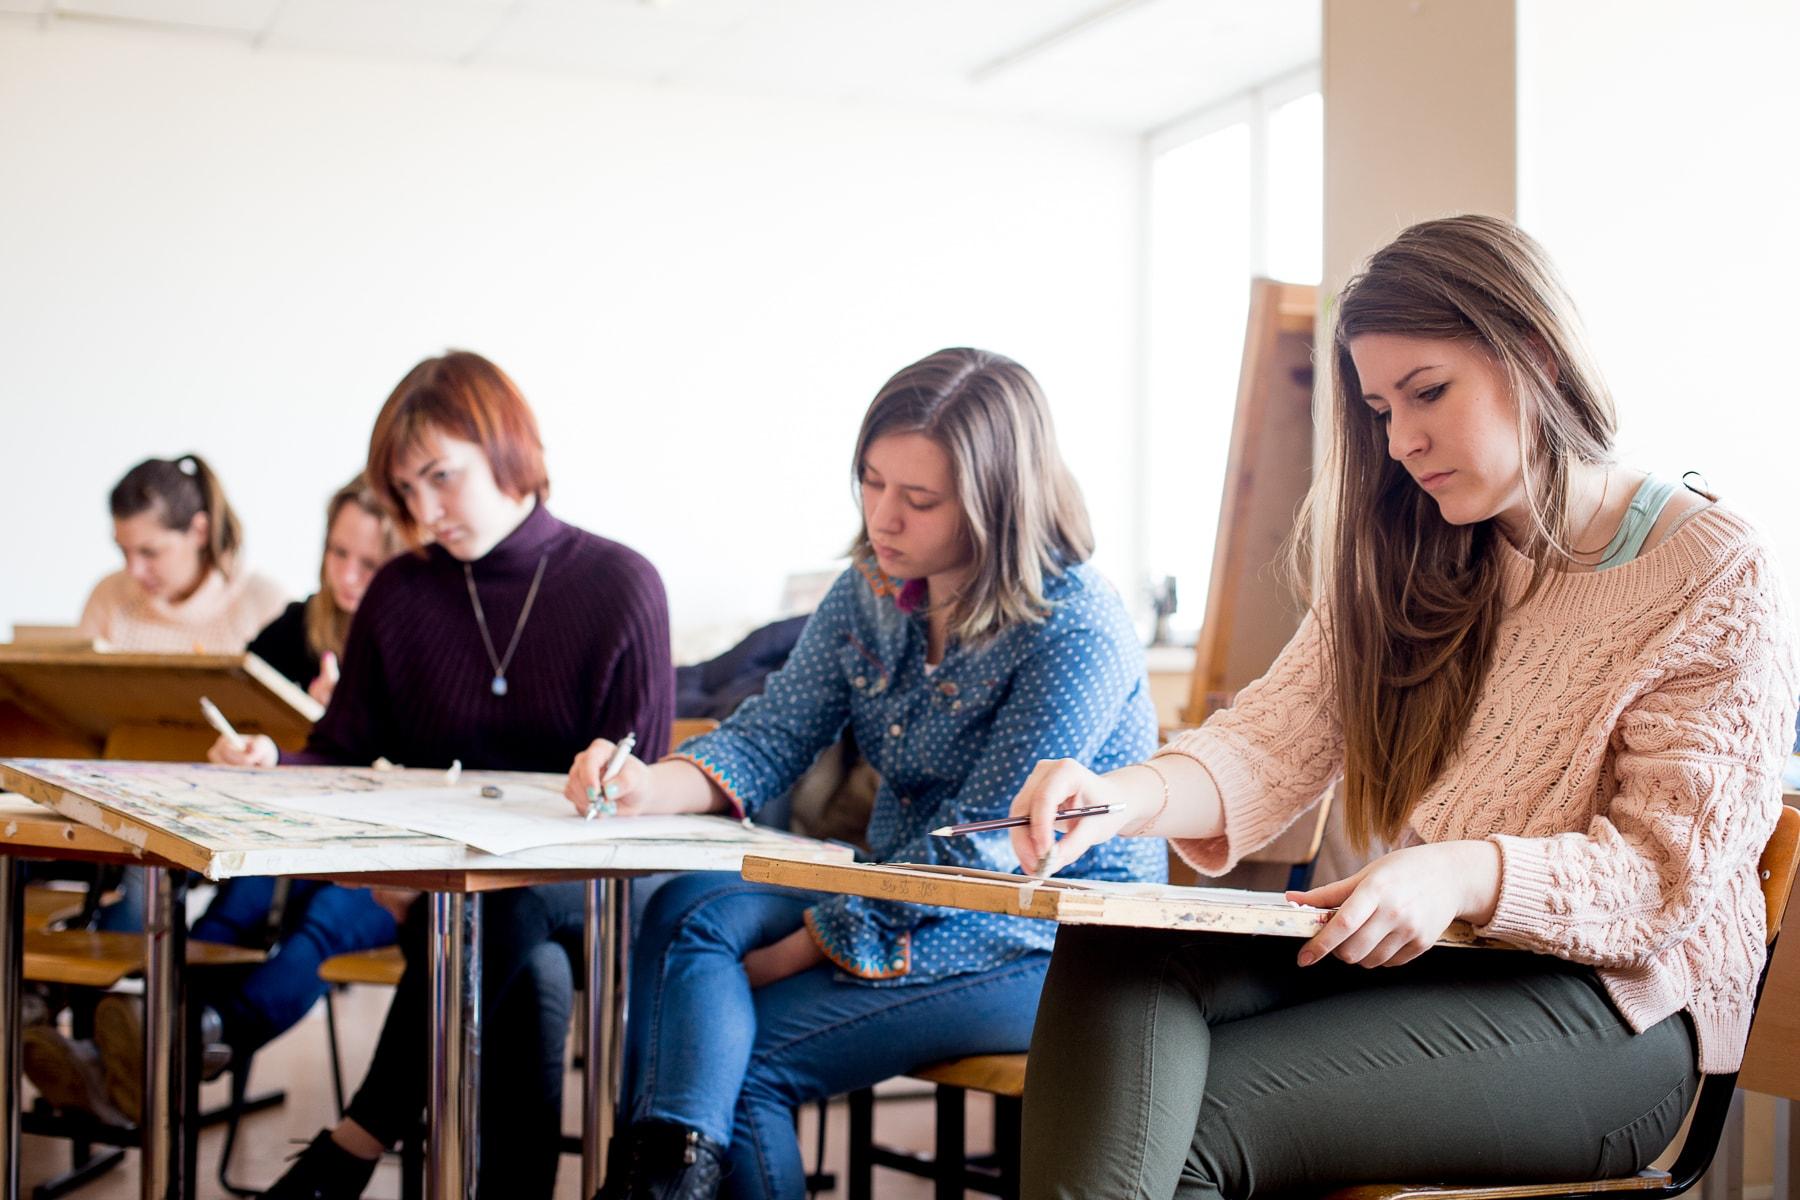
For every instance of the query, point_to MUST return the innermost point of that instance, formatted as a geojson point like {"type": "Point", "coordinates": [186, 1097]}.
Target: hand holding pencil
{"type": "Point", "coordinates": [1056, 785]}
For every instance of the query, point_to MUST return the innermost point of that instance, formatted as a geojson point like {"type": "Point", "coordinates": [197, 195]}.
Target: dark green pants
{"type": "Point", "coordinates": [1175, 1064]}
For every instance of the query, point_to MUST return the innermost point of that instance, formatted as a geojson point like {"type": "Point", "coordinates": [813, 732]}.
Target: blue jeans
{"type": "Point", "coordinates": [709, 1053]}
{"type": "Point", "coordinates": [320, 920]}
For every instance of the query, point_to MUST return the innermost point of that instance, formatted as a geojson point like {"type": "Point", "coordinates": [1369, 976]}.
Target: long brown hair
{"type": "Point", "coordinates": [1023, 514]}
{"type": "Point", "coordinates": [327, 625]}
{"type": "Point", "coordinates": [179, 489]}
{"type": "Point", "coordinates": [1412, 603]}
{"type": "Point", "coordinates": [466, 396]}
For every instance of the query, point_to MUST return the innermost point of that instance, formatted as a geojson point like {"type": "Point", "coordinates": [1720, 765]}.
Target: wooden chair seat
{"type": "Point", "coordinates": [45, 905]}
{"type": "Point", "coordinates": [380, 967]}
{"type": "Point", "coordinates": [1642, 1181]}
{"type": "Point", "coordinates": [93, 958]}
{"type": "Point", "coordinates": [995, 1074]}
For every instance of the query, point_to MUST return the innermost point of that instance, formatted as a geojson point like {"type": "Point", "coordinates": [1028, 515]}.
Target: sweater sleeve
{"type": "Point", "coordinates": [1064, 702]}
{"type": "Point", "coordinates": [1696, 792]}
{"type": "Point", "coordinates": [640, 693]}
{"type": "Point", "coordinates": [97, 613]}
{"type": "Point", "coordinates": [353, 731]}
{"type": "Point", "coordinates": [1271, 754]}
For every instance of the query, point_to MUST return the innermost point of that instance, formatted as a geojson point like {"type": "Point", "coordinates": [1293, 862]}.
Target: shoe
{"type": "Point", "coordinates": [659, 1160]}
{"type": "Point", "coordinates": [119, 1034]}
{"type": "Point", "coordinates": [323, 1171]}
{"type": "Point", "coordinates": [67, 1074]}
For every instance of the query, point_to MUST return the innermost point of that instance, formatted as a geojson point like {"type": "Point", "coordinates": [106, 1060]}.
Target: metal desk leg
{"type": "Point", "coordinates": [12, 969]}
{"type": "Point", "coordinates": [608, 919]}
{"type": "Point", "coordinates": [453, 1156]}
{"type": "Point", "coordinates": [162, 1174]}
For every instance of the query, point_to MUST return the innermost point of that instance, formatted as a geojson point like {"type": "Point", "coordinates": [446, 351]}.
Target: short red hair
{"type": "Point", "coordinates": [461, 394]}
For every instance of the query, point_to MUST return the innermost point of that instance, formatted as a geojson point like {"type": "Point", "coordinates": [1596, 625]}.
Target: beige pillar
{"type": "Point", "coordinates": [1420, 118]}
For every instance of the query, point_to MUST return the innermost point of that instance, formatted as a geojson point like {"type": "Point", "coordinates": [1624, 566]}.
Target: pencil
{"type": "Point", "coordinates": [1067, 814]}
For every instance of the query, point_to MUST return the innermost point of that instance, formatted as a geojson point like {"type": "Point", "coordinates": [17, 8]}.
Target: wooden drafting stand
{"type": "Point", "coordinates": [1251, 612]}
{"type": "Point", "coordinates": [1065, 901]}
{"type": "Point", "coordinates": [91, 703]}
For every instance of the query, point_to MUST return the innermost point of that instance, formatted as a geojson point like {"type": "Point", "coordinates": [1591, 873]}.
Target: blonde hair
{"type": "Point", "coordinates": [1412, 603]}
{"type": "Point", "coordinates": [1022, 511]}
{"type": "Point", "coordinates": [327, 625]}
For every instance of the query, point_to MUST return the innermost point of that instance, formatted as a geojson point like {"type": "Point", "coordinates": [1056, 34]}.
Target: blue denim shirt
{"type": "Point", "coordinates": [953, 745]}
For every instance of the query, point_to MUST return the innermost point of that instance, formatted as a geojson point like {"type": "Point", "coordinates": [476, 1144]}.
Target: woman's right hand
{"type": "Point", "coordinates": [1057, 784]}
{"type": "Point", "coordinates": [258, 751]}
{"type": "Point", "coordinates": [628, 792]}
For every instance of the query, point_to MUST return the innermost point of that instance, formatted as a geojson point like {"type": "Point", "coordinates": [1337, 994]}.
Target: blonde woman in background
{"type": "Point", "coordinates": [306, 641]}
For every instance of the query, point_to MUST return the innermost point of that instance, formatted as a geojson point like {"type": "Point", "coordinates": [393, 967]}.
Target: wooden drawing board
{"type": "Point", "coordinates": [220, 821]}
{"type": "Point", "coordinates": [1065, 901]}
{"type": "Point", "coordinates": [148, 705]}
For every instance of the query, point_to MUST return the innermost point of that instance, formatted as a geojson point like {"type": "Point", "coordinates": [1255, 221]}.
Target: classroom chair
{"type": "Point", "coordinates": [1711, 1109]}
{"type": "Point", "coordinates": [1002, 1076]}
{"type": "Point", "coordinates": [85, 963]}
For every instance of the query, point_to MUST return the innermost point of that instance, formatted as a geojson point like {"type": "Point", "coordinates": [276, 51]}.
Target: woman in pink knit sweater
{"type": "Point", "coordinates": [1562, 687]}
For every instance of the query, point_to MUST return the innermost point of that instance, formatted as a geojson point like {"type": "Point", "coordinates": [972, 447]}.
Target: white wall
{"type": "Point", "coordinates": [1658, 161]}
{"type": "Point", "coordinates": [205, 247]}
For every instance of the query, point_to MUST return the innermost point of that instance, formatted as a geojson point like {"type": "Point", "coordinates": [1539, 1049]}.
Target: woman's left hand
{"type": "Point", "coordinates": [791, 955]}
{"type": "Point", "coordinates": [1396, 908]}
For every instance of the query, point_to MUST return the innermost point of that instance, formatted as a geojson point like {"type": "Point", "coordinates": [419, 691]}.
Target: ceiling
{"type": "Point", "coordinates": [1113, 64]}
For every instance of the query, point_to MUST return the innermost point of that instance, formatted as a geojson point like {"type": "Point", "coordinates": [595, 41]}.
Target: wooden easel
{"type": "Point", "coordinates": [1251, 611]}
{"type": "Point", "coordinates": [93, 704]}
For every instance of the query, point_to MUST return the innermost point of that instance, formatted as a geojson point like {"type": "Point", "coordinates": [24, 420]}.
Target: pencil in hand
{"type": "Point", "coordinates": [1067, 814]}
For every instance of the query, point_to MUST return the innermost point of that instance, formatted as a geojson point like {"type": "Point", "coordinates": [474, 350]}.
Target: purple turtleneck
{"type": "Point", "coordinates": [592, 661]}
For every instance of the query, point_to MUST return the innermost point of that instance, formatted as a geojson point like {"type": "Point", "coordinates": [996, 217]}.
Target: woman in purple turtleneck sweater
{"type": "Point", "coordinates": [511, 642]}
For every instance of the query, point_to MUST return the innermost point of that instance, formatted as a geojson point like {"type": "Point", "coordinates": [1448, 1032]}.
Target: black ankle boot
{"type": "Point", "coordinates": [324, 1171]}
{"type": "Point", "coordinates": [658, 1160]}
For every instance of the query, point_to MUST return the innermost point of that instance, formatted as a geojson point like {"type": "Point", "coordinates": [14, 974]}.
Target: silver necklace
{"type": "Point", "coordinates": [498, 687]}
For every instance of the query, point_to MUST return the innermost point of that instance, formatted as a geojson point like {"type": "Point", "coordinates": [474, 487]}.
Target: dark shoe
{"type": "Point", "coordinates": [658, 1160]}
{"type": "Point", "coordinates": [324, 1171]}
{"type": "Point", "coordinates": [67, 1074]}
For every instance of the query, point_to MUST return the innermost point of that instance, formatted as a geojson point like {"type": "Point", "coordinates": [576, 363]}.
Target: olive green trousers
{"type": "Point", "coordinates": [1190, 1065]}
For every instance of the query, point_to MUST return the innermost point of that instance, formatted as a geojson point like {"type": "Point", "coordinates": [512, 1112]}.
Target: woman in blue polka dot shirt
{"type": "Point", "coordinates": [969, 641]}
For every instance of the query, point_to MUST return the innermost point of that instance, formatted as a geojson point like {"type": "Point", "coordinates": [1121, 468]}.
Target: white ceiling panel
{"type": "Point", "coordinates": [616, 39]}
{"type": "Point", "coordinates": [1126, 65]}
{"type": "Point", "coordinates": [1155, 62]}
{"type": "Point", "coordinates": [421, 29]}
{"type": "Point", "coordinates": [29, 8]}
{"type": "Point", "coordinates": [218, 16]}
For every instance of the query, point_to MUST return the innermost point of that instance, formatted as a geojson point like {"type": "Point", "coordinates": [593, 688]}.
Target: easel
{"type": "Point", "coordinates": [1251, 611]}
{"type": "Point", "coordinates": [83, 703]}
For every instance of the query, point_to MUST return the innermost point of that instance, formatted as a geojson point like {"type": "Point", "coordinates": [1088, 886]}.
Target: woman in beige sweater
{"type": "Point", "coordinates": [1563, 687]}
{"type": "Point", "coordinates": [182, 590]}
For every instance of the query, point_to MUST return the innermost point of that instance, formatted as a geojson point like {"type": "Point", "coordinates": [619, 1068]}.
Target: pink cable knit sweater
{"type": "Point", "coordinates": [1625, 757]}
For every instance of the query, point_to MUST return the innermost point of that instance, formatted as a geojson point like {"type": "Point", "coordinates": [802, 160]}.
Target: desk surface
{"type": "Point", "coordinates": [218, 821]}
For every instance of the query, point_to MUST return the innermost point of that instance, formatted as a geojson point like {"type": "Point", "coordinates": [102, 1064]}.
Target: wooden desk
{"type": "Point", "coordinates": [209, 819]}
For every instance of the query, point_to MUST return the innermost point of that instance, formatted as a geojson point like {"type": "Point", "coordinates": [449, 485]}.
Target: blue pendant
{"type": "Point", "coordinates": [499, 685]}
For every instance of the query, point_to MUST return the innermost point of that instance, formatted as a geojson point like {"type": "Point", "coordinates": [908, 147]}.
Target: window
{"type": "Point", "coordinates": [1234, 192]}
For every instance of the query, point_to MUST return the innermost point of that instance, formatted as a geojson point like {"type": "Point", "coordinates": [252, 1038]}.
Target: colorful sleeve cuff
{"type": "Point", "coordinates": [845, 937]}
{"type": "Point", "coordinates": [719, 778]}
